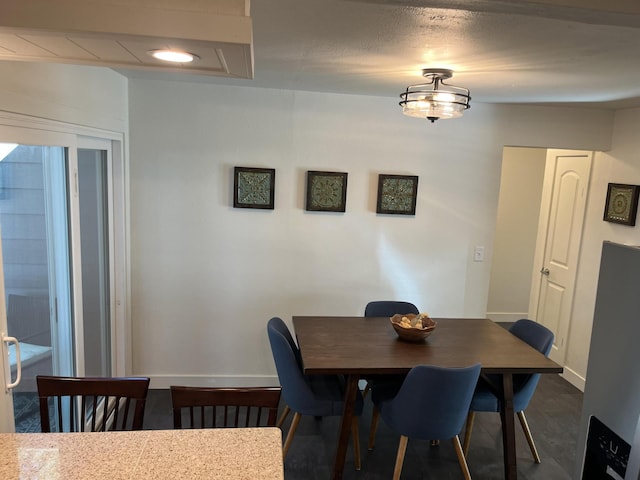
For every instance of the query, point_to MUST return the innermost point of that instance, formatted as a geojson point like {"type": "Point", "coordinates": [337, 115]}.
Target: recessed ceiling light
{"type": "Point", "coordinates": [175, 56]}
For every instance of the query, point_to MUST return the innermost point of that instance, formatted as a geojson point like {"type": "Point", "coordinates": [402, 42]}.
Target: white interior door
{"type": "Point", "coordinates": [559, 239]}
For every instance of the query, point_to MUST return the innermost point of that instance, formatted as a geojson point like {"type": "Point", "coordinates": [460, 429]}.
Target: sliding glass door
{"type": "Point", "coordinates": [96, 279]}
{"type": "Point", "coordinates": [35, 238]}
{"type": "Point", "coordinates": [56, 224]}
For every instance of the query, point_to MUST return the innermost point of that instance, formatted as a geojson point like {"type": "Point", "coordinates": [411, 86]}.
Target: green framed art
{"type": "Point", "coordinates": [254, 187]}
{"type": "Point", "coordinates": [326, 191]}
{"type": "Point", "coordinates": [397, 194]}
{"type": "Point", "coordinates": [621, 205]}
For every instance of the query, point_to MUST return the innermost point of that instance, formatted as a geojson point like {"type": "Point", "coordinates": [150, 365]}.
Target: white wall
{"type": "Point", "coordinates": [206, 277]}
{"type": "Point", "coordinates": [516, 233]}
{"type": "Point", "coordinates": [619, 165]}
{"type": "Point", "coordinates": [88, 96]}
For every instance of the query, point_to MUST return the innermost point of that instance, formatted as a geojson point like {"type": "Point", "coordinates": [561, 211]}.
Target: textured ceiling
{"type": "Point", "coordinates": [515, 51]}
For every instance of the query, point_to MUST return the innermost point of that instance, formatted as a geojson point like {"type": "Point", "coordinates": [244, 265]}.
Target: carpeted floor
{"type": "Point", "coordinates": [26, 412]}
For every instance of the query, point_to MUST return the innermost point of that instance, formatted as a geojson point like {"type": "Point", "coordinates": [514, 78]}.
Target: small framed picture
{"type": "Point", "coordinates": [253, 187]}
{"type": "Point", "coordinates": [622, 203]}
{"type": "Point", "coordinates": [397, 194]}
{"type": "Point", "coordinates": [326, 191]}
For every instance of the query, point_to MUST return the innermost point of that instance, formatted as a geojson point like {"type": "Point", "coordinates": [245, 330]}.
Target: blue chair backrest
{"type": "Point", "coordinates": [433, 402]}
{"type": "Point", "coordinates": [388, 308]}
{"type": "Point", "coordinates": [278, 324]}
{"type": "Point", "coordinates": [540, 338]}
{"type": "Point", "coordinates": [535, 334]}
{"type": "Point", "coordinates": [295, 391]}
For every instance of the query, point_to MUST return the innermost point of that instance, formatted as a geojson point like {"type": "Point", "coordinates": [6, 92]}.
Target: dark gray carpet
{"type": "Point", "coordinates": [553, 415]}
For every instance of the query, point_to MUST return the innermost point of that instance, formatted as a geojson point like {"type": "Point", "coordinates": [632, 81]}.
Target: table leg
{"type": "Point", "coordinates": [508, 428]}
{"type": "Point", "coordinates": [345, 426]}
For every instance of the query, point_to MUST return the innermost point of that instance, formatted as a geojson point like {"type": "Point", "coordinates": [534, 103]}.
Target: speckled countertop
{"type": "Point", "coordinates": [221, 453]}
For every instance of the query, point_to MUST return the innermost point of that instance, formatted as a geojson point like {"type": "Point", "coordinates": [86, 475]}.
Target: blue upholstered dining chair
{"type": "Point", "coordinates": [524, 385]}
{"type": "Point", "coordinates": [278, 324]}
{"type": "Point", "coordinates": [316, 395]}
{"type": "Point", "coordinates": [432, 402]}
{"type": "Point", "coordinates": [387, 308]}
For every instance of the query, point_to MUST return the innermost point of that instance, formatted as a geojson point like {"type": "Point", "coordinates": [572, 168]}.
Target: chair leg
{"type": "Point", "coordinates": [355, 433]}
{"type": "Point", "coordinates": [367, 389]}
{"type": "Point", "coordinates": [292, 431]}
{"type": "Point", "coordinates": [527, 433]}
{"type": "Point", "coordinates": [283, 417]}
{"type": "Point", "coordinates": [461, 458]}
{"type": "Point", "coordinates": [467, 432]}
{"type": "Point", "coordinates": [375, 417]}
{"type": "Point", "coordinates": [402, 448]}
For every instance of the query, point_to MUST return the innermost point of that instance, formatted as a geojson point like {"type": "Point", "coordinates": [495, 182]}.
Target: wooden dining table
{"type": "Point", "coordinates": [361, 347]}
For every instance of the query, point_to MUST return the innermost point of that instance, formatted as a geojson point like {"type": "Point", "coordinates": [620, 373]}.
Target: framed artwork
{"type": "Point", "coordinates": [253, 187]}
{"type": "Point", "coordinates": [326, 191]}
{"type": "Point", "coordinates": [397, 194]}
{"type": "Point", "coordinates": [622, 203]}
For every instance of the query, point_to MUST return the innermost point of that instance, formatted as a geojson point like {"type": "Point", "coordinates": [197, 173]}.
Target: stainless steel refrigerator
{"type": "Point", "coordinates": [609, 435]}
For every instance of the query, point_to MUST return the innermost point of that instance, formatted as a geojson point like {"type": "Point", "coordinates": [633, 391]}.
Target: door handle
{"type": "Point", "coordinates": [545, 271]}
{"type": "Point", "coordinates": [6, 340]}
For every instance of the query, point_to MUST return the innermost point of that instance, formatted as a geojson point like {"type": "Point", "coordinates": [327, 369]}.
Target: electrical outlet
{"type": "Point", "coordinates": [478, 254]}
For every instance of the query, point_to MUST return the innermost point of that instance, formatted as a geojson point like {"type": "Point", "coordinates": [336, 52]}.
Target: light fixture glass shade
{"type": "Point", "coordinates": [175, 56]}
{"type": "Point", "coordinates": [435, 100]}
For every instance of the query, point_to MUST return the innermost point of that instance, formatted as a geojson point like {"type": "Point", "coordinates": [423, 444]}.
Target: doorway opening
{"type": "Point", "coordinates": [541, 208]}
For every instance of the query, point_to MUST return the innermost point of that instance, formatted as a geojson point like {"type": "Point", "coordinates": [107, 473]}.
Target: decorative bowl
{"type": "Point", "coordinates": [423, 326]}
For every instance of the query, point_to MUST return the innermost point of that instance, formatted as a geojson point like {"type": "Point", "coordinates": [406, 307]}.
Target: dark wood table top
{"type": "Point", "coordinates": [361, 347]}
{"type": "Point", "coordinates": [369, 345]}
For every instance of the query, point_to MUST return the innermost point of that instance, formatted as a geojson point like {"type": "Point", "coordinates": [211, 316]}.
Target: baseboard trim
{"type": "Point", "coordinates": [165, 381]}
{"type": "Point", "coordinates": [573, 378]}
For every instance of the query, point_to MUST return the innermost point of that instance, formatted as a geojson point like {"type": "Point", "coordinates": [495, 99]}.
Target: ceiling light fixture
{"type": "Point", "coordinates": [171, 55]}
{"type": "Point", "coordinates": [435, 99]}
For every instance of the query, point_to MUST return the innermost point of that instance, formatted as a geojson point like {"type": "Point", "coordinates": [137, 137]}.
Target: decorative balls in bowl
{"type": "Point", "coordinates": [413, 328]}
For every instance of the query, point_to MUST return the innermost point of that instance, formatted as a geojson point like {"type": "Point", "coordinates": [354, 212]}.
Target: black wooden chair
{"type": "Point", "coordinates": [203, 407]}
{"type": "Point", "coordinates": [95, 404]}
